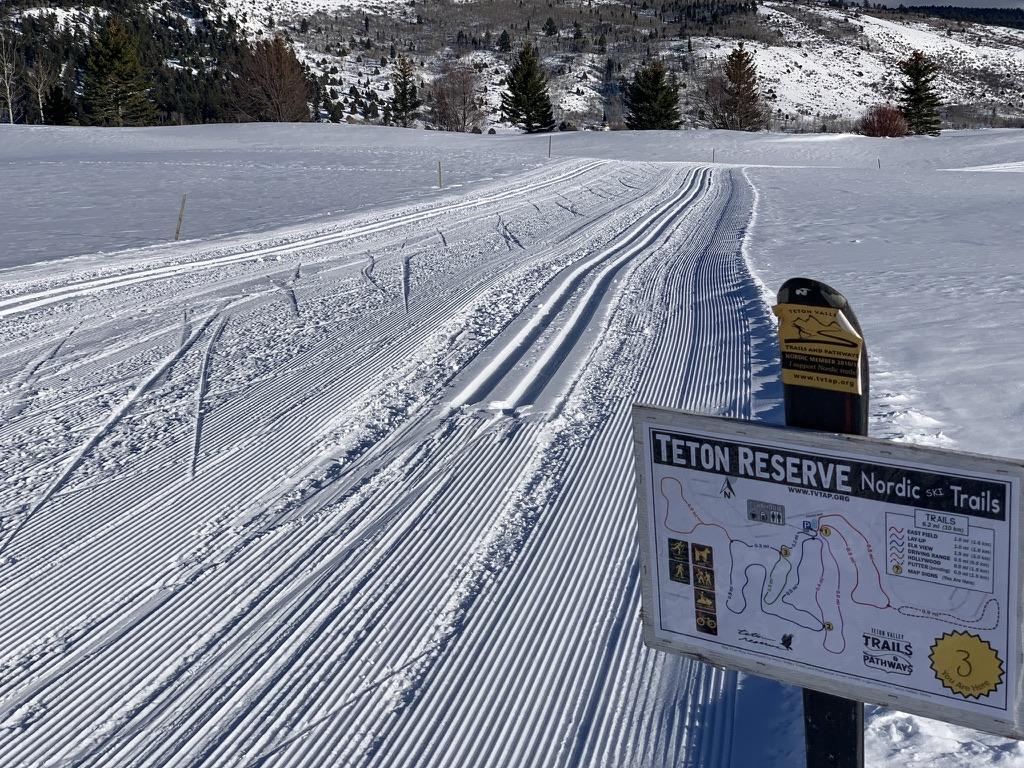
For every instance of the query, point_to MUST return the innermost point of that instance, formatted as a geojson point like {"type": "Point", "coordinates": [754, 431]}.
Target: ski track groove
{"type": "Point", "coordinates": [456, 585]}
{"type": "Point", "coordinates": [201, 387]}
{"type": "Point", "coordinates": [27, 379]}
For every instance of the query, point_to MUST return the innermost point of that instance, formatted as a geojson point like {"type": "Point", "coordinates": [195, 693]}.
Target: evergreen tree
{"type": "Point", "coordinates": [526, 102]}
{"type": "Point", "coordinates": [405, 102]}
{"type": "Point", "coordinates": [58, 106]}
{"type": "Point", "coordinates": [734, 99]}
{"type": "Point", "coordinates": [504, 42]}
{"type": "Point", "coordinates": [652, 100]}
{"type": "Point", "coordinates": [116, 88]}
{"type": "Point", "coordinates": [918, 100]}
{"type": "Point", "coordinates": [550, 28]}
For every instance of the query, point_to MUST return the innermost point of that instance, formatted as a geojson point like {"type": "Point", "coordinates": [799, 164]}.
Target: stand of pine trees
{"type": "Point", "coordinates": [132, 64]}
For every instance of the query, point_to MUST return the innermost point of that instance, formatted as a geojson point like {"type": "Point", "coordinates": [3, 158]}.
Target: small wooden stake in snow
{"type": "Point", "coordinates": [833, 726]}
{"type": "Point", "coordinates": [181, 217]}
{"type": "Point", "coordinates": [440, 178]}
{"type": "Point", "coordinates": [549, 147]}
{"type": "Point", "coordinates": [879, 163]}
{"type": "Point", "coordinates": [712, 154]}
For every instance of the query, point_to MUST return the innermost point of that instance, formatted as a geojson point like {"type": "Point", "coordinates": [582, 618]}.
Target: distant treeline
{"type": "Point", "coordinates": [187, 57]}
{"type": "Point", "coordinates": [1002, 17]}
{"type": "Point", "coordinates": [701, 14]}
{"type": "Point", "coordinates": [189, 60]}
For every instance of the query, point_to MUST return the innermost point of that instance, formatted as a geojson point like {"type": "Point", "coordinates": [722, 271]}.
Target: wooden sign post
{"type": "Point", "coordinates": [825, 387]}
{"type": "Point", "coordinates": [181, 217]}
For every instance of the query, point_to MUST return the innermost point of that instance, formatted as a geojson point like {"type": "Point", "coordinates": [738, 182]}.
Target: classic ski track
{"type": "Point", "coordinates": [636, 240]}
{"type": "Point", "coordinates": [648, 233]}
{"type": "Point", "coordinates": [274, 637]}
{"type": "Point", "coordinates": [168, 468]}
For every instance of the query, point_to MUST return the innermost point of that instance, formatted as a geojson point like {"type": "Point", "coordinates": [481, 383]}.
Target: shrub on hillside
{"type": "Point", "coordinates": [883, 120]}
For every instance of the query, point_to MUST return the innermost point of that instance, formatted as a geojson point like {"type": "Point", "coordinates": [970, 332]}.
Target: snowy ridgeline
{"type": "Point", "coordinates": [345, 460]}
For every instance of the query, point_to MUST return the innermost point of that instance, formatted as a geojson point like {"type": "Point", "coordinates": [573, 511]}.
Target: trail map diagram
{"type": "Point", "coordinates": [899, 579]}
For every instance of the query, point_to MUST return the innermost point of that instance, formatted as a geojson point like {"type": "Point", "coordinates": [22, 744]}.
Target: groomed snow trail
{"type": "Point", "coordinates": [364, 495]}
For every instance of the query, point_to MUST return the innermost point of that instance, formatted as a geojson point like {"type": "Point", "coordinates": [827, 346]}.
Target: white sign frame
{"type": "Point", "coordinates": [1005, 719]}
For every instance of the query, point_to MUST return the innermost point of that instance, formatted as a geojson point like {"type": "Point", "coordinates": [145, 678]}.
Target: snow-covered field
{"type": "Point", "coordinates": [353, 484]}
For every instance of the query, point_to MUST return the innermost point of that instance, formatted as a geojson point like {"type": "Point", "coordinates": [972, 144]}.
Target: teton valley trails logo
{"type": "Point", "coordinates": [820, 348]}
{"type": "Point", "coordinates": [966, 664]}
{"type": "Point", "coordinates": [887, 652]}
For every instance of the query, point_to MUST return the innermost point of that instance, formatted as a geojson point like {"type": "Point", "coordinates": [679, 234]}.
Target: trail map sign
{"type": "Point", "coordinates": [863, 568]}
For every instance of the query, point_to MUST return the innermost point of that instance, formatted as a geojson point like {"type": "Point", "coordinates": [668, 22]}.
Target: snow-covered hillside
{"type": "Point", "coordinates": [819, 66]}
{"type": "Point", "coordinates": [839, 62]}
{"type": "Point", "coordinates": [359, 491]}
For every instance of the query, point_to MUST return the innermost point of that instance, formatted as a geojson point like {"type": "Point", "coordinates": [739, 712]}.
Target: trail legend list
{"type": "Point", "coordinates": [951, 551]}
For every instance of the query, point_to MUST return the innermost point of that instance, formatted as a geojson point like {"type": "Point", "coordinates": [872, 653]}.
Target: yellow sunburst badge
{"type": "Point", "coordinates": [966, 664]}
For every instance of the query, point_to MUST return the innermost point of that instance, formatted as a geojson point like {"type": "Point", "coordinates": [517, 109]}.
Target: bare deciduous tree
{"type": "Point", "coordinates": [40, 78]}
{"type": "Point", "coordinates": [271, 86]}
{"type": "Point", "coordinates": [453, 101]}
{"type": "Point", "coordinates": [10, 86]}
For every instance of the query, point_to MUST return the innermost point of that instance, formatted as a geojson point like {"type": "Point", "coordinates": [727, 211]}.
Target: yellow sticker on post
{"type": "Point", "coordinates": [820, 348]}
